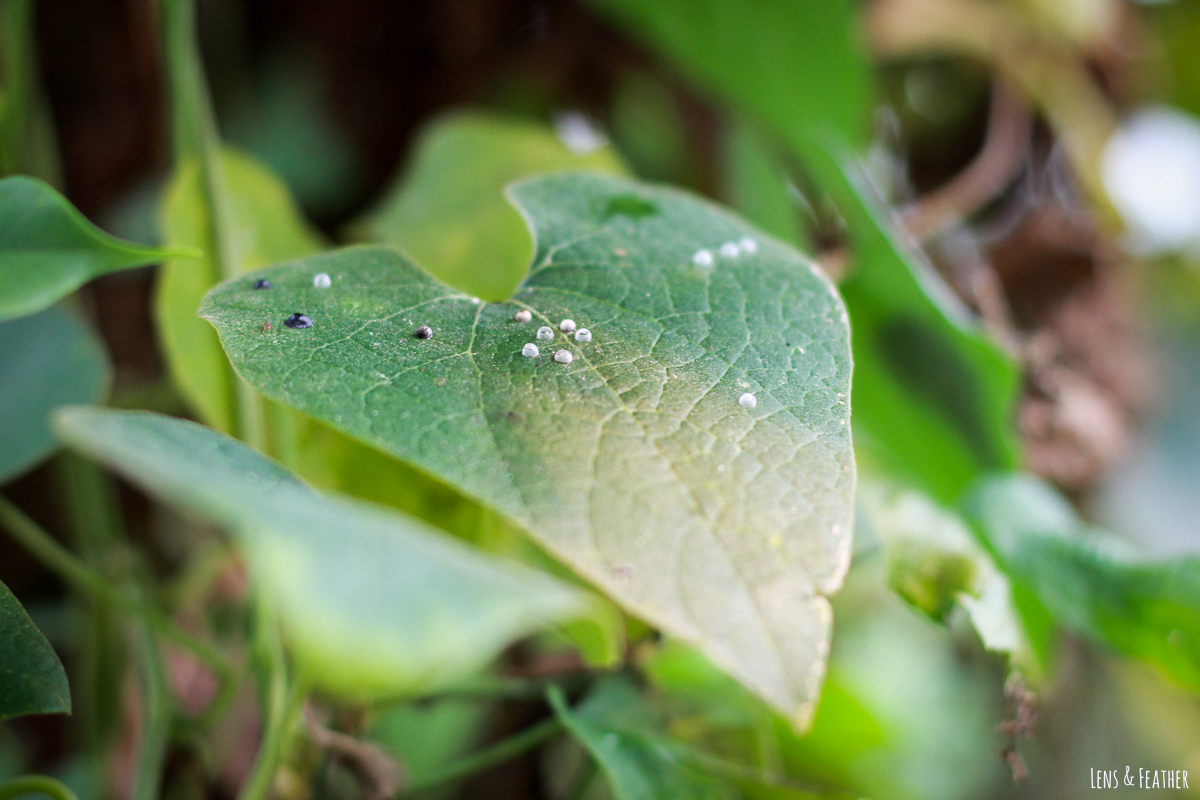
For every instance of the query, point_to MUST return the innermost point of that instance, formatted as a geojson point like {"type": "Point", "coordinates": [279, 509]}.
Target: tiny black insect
{"type": "Point", "coordinates": [298, 320]}
{"type": "Point", "coordinates": [263, 283]}
{"type": "Point", "coordinates": [424, 332]}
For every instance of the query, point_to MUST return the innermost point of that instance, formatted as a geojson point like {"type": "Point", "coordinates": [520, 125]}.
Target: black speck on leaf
{"type": "Point", "coordinates": [424, 332]}
{"type": "Point", "coordinates": [298, 320]}
{"type": "Point", "coordinates": [263, 283]}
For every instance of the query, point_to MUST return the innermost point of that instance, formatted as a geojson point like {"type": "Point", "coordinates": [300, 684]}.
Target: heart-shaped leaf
{"type": "Point", "coordinates": [32, 680]}
{"type": "Point", "coordinates": [375, 603]}
{"type": "Point", "coordinates": [47, 360]}
{"type": "Point", "coordinates": [693, 458]}
{"type": "Point", "coordinates": [48, 249]}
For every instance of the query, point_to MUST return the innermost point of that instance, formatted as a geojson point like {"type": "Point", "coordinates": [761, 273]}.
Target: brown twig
{"type": "Point", "coordinates": [998, 162]}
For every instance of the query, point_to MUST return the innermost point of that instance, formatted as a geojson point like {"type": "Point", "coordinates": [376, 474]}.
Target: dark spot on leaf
{"type": "Point", "coordinates": [630, 205]}
{"type": "Point", "coordinates": [263, 283]}
{"type": "Point", "coordinates": [298, 320]}
{"type": "Point", "coordinates": [424, 332]}
{"type": "Point", "coordinates": [928, 367]}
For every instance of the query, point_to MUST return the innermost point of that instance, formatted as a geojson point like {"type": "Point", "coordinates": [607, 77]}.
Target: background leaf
{"type": "Point", "coordinates": [48, 249]}
{"type": "Point", "coordinates": [795, 65]}
{"type": "Point", "coordinates": [1090, 582]}
{"type": "Point", "coordinates": [448, 211]}
{"type": "Point", "coordinates": [267, 229]}
{"type": "Point", "coordinates": [635, 461]}
{"type": "Point", "coordinates": [375, 603]}
{"type": "Point", "coordinates": [638, 764]}
{"type": "Point", "coordinates": [48, 359]}
{"type": "Point", "coordinates": [32, 679]}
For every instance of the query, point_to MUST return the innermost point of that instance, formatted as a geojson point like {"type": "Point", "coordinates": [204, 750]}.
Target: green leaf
{"type": "Point", "coordinates": [795, 65]}
{"type": "Point", "coordinates": [373, 602]}
{"type": "Point", "coordinates": [448, 211]}
{"type": "Point", "coordinates": [635, 464]}
{"type": "Point", "coordinates": [1090, 582]}
{"type": "Point", "coordinates": [48, 249]}
{"type": "Point", "coordinates": [934, 397]}
{"type": "Point", "coordinates": [935, 564]}
{"type": "Point", "coordinates": [32, 679]}
{"type": "Point", "coordinates": [757, 186]}
{"type": "Point", "coordinates": [613, 725]}
{"type": "Point", "coordinates": [48, 359]}
{"type": "Point", "coordinates": [268, 228]}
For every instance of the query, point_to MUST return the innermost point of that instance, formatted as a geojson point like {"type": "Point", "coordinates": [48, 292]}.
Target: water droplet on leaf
{"type": "Point", "coordinates": [530, 350]}
{"type": "Point", "coordinates": [747, 400]}
{"type": "Point", "coordinates": [583, 335]}
{"type": "Point", "coordinates": [322, 280]}
{"type": "Point", "coordinates": [703, 258]}
{"type": "Point", "coordinates": [564, 357]}
{"type": "Point", "coordinates": [545, 332]}
{"type": "Point", "coordinates": [748, 244]}
{"type": "Point", "coordinates": [730, 250]}
{"type": "Point", "coordinates": [567, 325]}
{"type": "Point", "coordinates": [523, 316]}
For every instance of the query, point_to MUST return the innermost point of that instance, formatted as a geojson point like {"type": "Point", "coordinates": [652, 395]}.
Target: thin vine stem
{"type": "Point", "coordinates": [196, 140]}
{"type": "Point", "coordinates": [156, 720]}
{"type": "Point", "coordinates": [36, 784]}
{"type": "Point", "coordinates": [283, 702]}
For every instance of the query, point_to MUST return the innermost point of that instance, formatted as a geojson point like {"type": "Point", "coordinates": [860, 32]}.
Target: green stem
{"type": "Point", "coordinates": [16, 17]}
{"type": "Point", "coordinates": [195, 138]}
{"type": "Point", "coordinates": [36, 784]}
{"type": "Point", "coordinates": [490, 757]}
{"type": "Point", "coordinates": [282, 705]}
{"type": "Point", "coordinates": [37, 541]}
{"type": "Point", "coordinates": [156, 719]}
{"type": "Point", "coordinates": [97, 530]}
{"type": "Point", "coordinates": [584, 781]}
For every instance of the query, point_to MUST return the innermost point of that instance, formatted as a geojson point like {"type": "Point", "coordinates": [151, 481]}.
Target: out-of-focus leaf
{"type": "Point", "coordinates": [933, 397]}
{"type": "Point", "coordinates": [48, 359]}
{"type": "Point", "coordinates": [935, 563]}
{"type": "Point", "coordinates": [1090, 582]}
{"type": "Point", "coordinates": [48, 249]}
{"type": "Point", "coordinates": [649, 128]}
{"type": "Point", "coordinates": [613, 725]}
{"type": "Point", "coordinates": [32, 679]}
{"type": "Point", "coordinates": [268, 228]}
{"type": "Point", "coordinates": [425, 736]}
{"type": "Point", "coordinates": [636, 463]}
{"type": "Point", "coordinates": [448, 211]}
{"type": "Point", "coordinates": [373, 602]}
{"type": "Point", "coordinates": [757, 186]}
{"type": "Point", "coordinates": [794, 65]}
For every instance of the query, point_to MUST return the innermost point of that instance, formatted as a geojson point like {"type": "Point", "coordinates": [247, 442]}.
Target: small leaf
{"type": "Point", "coordinates": [48, 249]}
{"type": "Point", "coordinates": [267, 228]}
{"type": "Point", "coordinates": [935, 563]}
{"type": "Point", "coordinates": [638, 764]}
{"type": "Point", "coordinates": [637, 463]}
{"type": "Point", "coordinates": [32, 679]}
{"type": "Point", "coordinates": [47, 360]}
{"type": "Point", "coordinates": [373, 602]}
{"type": "Point", "coordinates": [448, 211]}
{"type": "Point", "coordinates": [1090, 582]}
